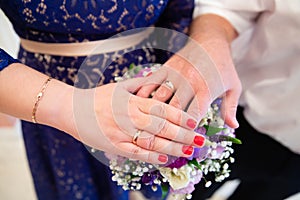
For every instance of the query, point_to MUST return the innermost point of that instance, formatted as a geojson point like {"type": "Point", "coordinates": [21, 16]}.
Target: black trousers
{"type": "Point", "coordinates": [267, 170]}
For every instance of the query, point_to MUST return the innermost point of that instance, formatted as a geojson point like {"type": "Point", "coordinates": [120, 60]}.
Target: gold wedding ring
{"type": "Point", "coordinates": [136, 136]}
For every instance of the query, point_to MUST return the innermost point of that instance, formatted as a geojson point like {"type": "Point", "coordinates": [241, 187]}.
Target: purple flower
{"type": "Point", "coordinates": [143, 72]}
{"type": "Point", "coordinates": [218, 102]}
{"type": "Point", "coordinates": [219, 151]}
{"type": "Point", "coordinates": [200, 153]}
{"type": "Point", "coordinates": [179, 162]}
{"type": "Point", "coordinates": [201, 130]}
{"type": "Point", "coordinates": [148, 178]}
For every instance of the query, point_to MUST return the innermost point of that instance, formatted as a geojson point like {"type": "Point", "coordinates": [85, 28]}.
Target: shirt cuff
{"type": "Point", "coordinates": [241, 21]}
{"type": "Point", "coordinates": [6, 59]}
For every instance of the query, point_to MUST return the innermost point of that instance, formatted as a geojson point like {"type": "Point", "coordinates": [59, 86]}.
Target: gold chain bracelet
{"type": "Point", "coordinates": [38, 99]}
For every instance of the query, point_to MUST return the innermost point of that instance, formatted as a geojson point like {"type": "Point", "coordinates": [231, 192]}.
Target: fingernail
{"type": "Point", "coordinates": [149, 74]}
{"type": "Point", "coordinates": [199, 140]}
{"type": "Point", "coordinates": [236, 123]}
{"type": "Point", "coordinates": [188, 150]}
{"type": "Point", "coordinates": [163, 158]}
{"type": "Point", "coordinates": [191, 123]}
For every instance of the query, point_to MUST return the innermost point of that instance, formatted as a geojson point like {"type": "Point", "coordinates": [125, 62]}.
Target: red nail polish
{"type": "Point", "coordinates": [188, 150]}
{"type": "Point", "coordinates": [163, 158]}
{"type": "Point", "coordinates": [199, 140]}
{"type": "Point", "coordinates": [191, 123]}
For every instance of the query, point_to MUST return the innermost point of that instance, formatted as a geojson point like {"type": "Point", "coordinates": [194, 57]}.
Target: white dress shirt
{"type": "Point", "coordinates": [267, 58]}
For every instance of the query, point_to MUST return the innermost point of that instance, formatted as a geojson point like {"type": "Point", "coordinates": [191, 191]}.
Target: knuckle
{"type": "Point", "coordinates": [192, 78]}
{"type": "Point", "coordinates": [158, 110]}
{"type": "Point", "coordinates": [163, 127]}
{"type": "Point", "coordinates": [142, 104]}
{"type": "Point", "coordinates": [150, 142]}
{"type": "Point", "coordinates": [135, 151]}
{"type": "Point", "coordinates": [177, 116]}
{"type": "Point", "coordinates": [162, 92]}
{"type": "Point", "coordinates": [176, 103]}
{"type": "Point", "coordinates": [132, 100]}
{"type": "Point", "coordinates": [191, 73]}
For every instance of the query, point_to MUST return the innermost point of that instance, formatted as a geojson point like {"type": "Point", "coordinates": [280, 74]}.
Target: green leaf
{"type": "Point", "coordinates": [210, 130]}
{"type": "Point", "coordinates": [131, 66]}
{"type": "Point", "coordinates": [234, 140]}
{"type": "Point", "coordinates": [195, 163]}
{"type": "Point", "coordinates": [164, 190]}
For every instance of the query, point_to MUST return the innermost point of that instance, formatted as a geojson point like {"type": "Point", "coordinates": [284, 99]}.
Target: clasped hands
{"type": "Point", "coordinates": [131, 118]}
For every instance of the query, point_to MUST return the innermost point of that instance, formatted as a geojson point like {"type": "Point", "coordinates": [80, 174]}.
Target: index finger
{"type": "Point", "coordinates": [168, 112]}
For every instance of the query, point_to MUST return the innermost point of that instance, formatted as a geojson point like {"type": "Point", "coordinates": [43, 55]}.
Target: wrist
{"type": "Point", "coordinates": [56, 107]}
{"type": "Point", "coordinates": [210, 26]}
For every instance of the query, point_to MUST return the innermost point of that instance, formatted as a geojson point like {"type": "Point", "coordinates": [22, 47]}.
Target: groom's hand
{"type": "Point", "coordinates": [201, 72]}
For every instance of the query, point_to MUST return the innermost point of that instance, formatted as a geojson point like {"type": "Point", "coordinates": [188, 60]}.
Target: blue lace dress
{"type": "Point", "coordinates": [62, 167]}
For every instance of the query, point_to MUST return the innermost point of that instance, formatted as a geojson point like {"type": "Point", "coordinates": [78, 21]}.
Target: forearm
{"type": "Point", "coordinates": [19, 86]}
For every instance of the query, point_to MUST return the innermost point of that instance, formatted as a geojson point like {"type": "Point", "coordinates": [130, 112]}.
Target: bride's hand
{"type": "Point", "coordinates": [112, 119]}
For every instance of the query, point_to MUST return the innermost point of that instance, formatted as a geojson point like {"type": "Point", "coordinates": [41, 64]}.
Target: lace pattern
{"type": "Point", "coordinates": [81, 20]}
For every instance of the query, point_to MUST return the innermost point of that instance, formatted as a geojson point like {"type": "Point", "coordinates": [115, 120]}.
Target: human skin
{"type": "Point", "coordinates": [115, 115]}
{"type": "Point", "coordinates": [197, 84]}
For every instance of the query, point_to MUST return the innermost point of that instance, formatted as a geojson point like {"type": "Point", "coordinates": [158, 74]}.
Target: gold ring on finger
{"type": "Point", "coordinates": [136, 136]}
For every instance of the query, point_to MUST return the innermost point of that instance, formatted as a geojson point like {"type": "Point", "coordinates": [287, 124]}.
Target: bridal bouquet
{"type": "Point", "coordinates": [180, 175]}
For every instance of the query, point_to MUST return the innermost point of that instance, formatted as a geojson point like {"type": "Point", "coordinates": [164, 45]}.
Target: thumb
{"type": "Point", "coordinates": [229, 108]}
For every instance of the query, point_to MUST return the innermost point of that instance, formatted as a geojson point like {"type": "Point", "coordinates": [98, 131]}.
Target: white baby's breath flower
{"type": "Point", "coordinates": [208, 183]}
{"type": "Point", "coordinates": [214, 153]}
{"type": "Point", "coordinates": [225, 166]}
{"type": "Point", "coordinates": [226, 175]}
{"type": "Point", "coordinates": [145, 169]}
{"type": "Point", "coordinates": [227, 154]}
